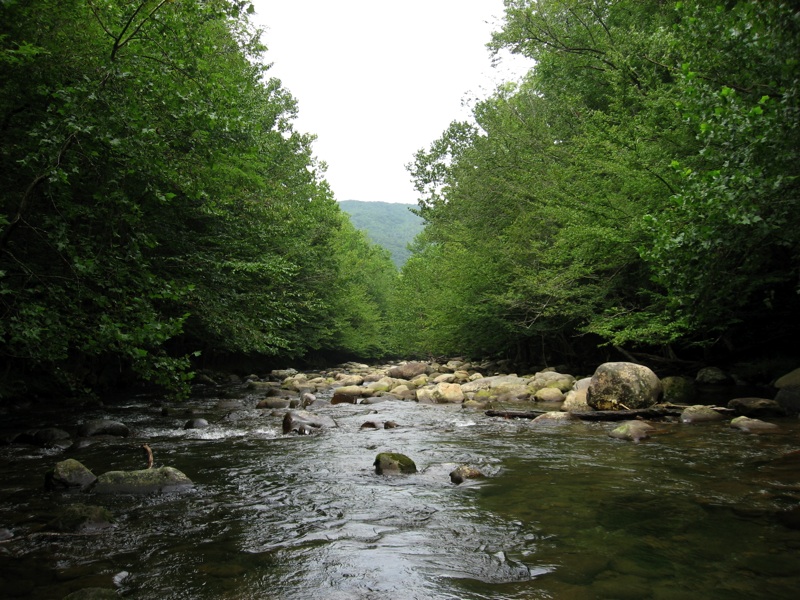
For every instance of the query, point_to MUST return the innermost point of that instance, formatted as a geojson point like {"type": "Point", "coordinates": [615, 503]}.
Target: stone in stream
{"type": "Point", "coordinates": [393, 463]}
{"type": "Point", "coordinates": [700, 413]}
{"type": "Point", "coordinates": [623, 385]}
{"type": "Point", "coordinates": [145, 481]}
{"type": "Point", "coordinates": [69, 473]}
{"type": "Point", "coordinates": [81, 518]}
{"type": "Point", "coordinates": [749, 425]}
{"type": "Point", "coordinates": [554, 417]}
{"type": "Point", "coordinates": [196, 424]}
{"type": "Point", "coordinates": [459, 474]}
{"type": "Point", "coordinates": [103, 427]}
{"type": "Point", "coordinates": [756, 407]}
{"type": "Point", "coordinates": [632, 431]}
{"type": "Point", "coordinates": [304, 422]}
{"type": "Point", "coordinates": [407, 370]}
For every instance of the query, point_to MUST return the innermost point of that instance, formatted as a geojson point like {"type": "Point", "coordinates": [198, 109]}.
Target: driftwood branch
{"type": "Point", "coordinates": [148, 454]}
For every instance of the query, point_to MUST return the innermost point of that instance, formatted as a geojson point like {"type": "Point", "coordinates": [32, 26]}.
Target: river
{"type": "Point", "coordinates": [565, 511]}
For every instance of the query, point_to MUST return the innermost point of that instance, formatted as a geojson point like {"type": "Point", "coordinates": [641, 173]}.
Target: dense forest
{"type": "Point", "coordinates": [391, 226]}
{"type": "Point", "coordinates": [638, 190]}
{"type": "Point", "coordinates": [159, 212]}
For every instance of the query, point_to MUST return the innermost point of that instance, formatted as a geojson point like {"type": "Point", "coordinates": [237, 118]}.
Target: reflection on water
{"type": "Point", "coordinates": [567, 512]}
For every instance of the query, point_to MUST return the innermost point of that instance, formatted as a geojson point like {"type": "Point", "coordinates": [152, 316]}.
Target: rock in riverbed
{"type": "Point", "coordinates": [146, 481]}
{"type": "Point", "coordinates": [387, 463]}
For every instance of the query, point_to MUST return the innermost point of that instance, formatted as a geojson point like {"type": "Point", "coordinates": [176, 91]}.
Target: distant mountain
{"type": "Point", "coordinates": [392, 226]}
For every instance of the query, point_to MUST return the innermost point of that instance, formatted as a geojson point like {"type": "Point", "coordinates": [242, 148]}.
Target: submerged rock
{"type": "Point", "coordinates": [196, 424]}
{"type": "Point", "coordinates": [700, 413]}
{"type": "Point", "coordinates": [554, 417]}
{"type": "Point", "coordinates": [103, 427]}
{"type": "Point", "coordinates": [82, 518]}
{"type": "Point", "coordinates": [632, 431]}
{"type": "Point", "coordinates": [387, 463]}
{"type": "Point", "coordinates": [146, 481]}
{"type": "Point", "coordinates": [749, 425]}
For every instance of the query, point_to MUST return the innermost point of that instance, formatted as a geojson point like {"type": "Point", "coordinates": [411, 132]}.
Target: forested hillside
{"type": "Point", "coordinates": [158, 210]}
{"type": "Point", "coordinates": [391, 226]}
{"type": "Point", "coordinates": [638, 189]}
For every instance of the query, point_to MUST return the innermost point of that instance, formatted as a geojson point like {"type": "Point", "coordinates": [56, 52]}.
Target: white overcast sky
{"type": "Point", "coordinates": [377, 80]}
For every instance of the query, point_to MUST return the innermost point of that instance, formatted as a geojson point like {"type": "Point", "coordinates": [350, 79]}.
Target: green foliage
{"type": "Point", "coordinates": [392, 226]}
{"type": "Point", "coordinates": [640, 185]}
{"type": "Point", "coordinates": [155, 200]}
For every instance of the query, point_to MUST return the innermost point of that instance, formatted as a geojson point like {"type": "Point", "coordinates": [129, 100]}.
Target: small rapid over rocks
{"type": "Point", "coordinates": [314, 494]}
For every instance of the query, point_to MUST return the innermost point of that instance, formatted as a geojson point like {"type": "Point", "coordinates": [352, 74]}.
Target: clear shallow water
{"type": "Point", "coordinates": [567, 512]}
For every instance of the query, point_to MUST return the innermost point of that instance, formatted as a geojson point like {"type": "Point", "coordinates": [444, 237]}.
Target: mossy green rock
{"type": "Point", "coordinates": [146, 481]}
{"type": "Point", "coordinates": [391, 462]}
{"type": "Point", "coordinates": [70, 473]}
{"type": "Point", "coordinates": [81, 518]}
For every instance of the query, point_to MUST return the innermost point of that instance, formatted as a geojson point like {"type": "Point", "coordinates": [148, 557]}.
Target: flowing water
{"type": "Point", "coordinates": [566, 512]}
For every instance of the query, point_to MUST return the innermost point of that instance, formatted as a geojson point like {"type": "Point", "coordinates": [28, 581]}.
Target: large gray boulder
{"type": "Point", "coordinates": [623, 385]}
{"type": "Point", "coordinates": [305, 423]}
{"type": "Point", "coordinates": [145, 481]}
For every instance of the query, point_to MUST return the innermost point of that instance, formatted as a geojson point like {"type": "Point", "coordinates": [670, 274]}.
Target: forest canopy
{"type": "Point", "coordinates": [637, 189]}
{"type": "Point", "coordinates": [157, 206]}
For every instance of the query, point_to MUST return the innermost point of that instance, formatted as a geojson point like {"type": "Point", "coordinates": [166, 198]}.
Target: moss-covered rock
{"type": "Point", "coordinates": [146, 481]}
{"type": "Point", "coordinates": [632, 431]}
{"type": "Point", "coordinates": [700, 413]}
{"type": "Point", "coordinates": [81, 518]}
{"type": "Point", "coordinates": [69, 473]}
{"type": "Point", "coordinates": [387, 463]}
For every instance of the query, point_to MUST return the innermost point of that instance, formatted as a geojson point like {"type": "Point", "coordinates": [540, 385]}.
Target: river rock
{"type": "Point", "coordinates": [388, 463]}
{"type": "Point", "coordinates": [499, 384]}
{"type": "Point", "coordinates": [749, 425]}
{"type": "Point", "coordinates": [425, 395]}
{"type": "Point", "coordinates": [448, 393]}
{"type": "Point", "coordinates": [679, 390]}
{"type": "Point", "coordinates": [93, 593]}
{"type": "Point", "coordinates": [69, 473]}
{"type": "Point", "coordinates": [788, 398]}
{"type": "Point", "coordinates": [553, 417]}
{"type": "Point", "coordinates": [103, 427]}
{"type": "Point", "coordinates": [756, 407]}
{"type": "Point", "coordinates": [551, 379]}
{"type": "Point", "coordinates": [273, 403]}
{"type": "Point", "coordinates": [713, 376]}
{"type": "Point", "coordinates": [700, 413]}
{"type": "Point", "coordinates": [791, 379]}
{"type": "Point", "coordinates": [618, 385]}
{"type": "Point", "coordinates": [81, 518]}
{"type": "Point", "coordinates": [145, 481]}
{"type": "Point", "coordinates": [347, 379]}
{"type": "Point", "coordinates": [196, 424]}
{"type": "Point", "coordinates": [632, 431]}
{"type": "Point", "coordinates": [408, 370]}
{"type": "Point", "coordinates": [575, 401]}
{"type": "Point", "coordinates": [463, 472]}
{"type": "Point", "coordinates": [304, 422]}
{"type": "Point", "coordinates": [549, 394]}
